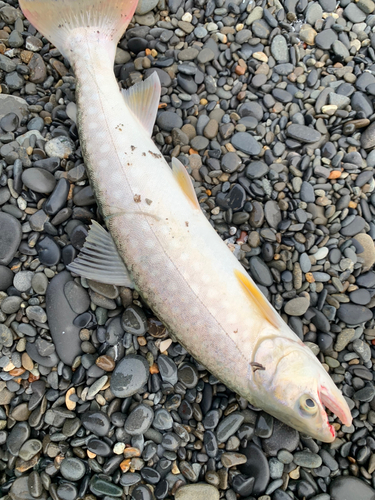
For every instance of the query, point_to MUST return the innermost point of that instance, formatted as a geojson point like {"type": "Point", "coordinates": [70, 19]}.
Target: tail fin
{"type": "Point", "coordinates": [56, 19]}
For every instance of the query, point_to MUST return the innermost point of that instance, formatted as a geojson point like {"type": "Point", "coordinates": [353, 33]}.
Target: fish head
{"type": "Point", "coordinates": [294, 387]}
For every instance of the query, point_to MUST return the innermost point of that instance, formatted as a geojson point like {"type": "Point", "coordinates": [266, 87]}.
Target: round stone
{"type": "Point", "coordinates": [97, 422]}
{"type": "Point", "coordinates": [350, 488]}
{"type": "Point", "coordinates": [134, 320]}
{"type": "Point", "coordinates": [72, 469]}
{"type": "Point", "coordinates": [38, 180]}
{"type": "Point", "coordinates": [139, 420]}
{"type": "Point", "coordinates": [129, 376]}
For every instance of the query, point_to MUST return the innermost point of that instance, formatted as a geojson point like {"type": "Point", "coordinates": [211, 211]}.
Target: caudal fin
{"type": "Point", "coordinates": [57, 19]}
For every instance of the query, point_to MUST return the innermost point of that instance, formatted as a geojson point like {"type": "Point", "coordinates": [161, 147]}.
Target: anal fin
{"type": "Point", "coordinates": [184, 181]}
{"type": "Point", "coordinates": [259, 300]}
{"type": "Point", "coordinates": [143, 100]}
{"type": "Point", "coordinates": [99, 259]}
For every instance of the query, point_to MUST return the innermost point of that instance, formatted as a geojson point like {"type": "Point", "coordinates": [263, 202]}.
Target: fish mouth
{"type": "Point", "coordinates": [336, 404]}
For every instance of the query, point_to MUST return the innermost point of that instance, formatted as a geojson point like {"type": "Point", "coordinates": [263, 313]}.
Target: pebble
{"type": "Point", "coordinates": [11, 234]}
{"type": "Point", "coordinates": [72, 469]}
{"type": "Point", "coordinates": [198, 491]}
{"type": "Point", "coordinates": [351, 488]}
{"type": "Point", "coordinates": [129, 376]}
{"type": "Point", "coordinates": [246, 143]}
{"type": "Point", "coordinates": [139, 420]}
{"type": "Point", "coordinates": [64, 301]}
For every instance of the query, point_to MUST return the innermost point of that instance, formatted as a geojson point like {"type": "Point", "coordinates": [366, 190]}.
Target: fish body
{"type": "Point", "coordinates": [177, 261]}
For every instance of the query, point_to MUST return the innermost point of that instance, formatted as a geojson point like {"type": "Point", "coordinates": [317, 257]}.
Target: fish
{"type": "Point", "coordinates": [159, 242]}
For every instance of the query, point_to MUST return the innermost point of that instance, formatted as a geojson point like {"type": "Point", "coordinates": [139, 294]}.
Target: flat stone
{"type": "Point", "coordinates": [139, 420]}
{"type": "Point", "coordinates": [307, 459]}
{"type": "Point", "coordinates": [279, 49]}
{"type": "Point", "coordinates": [297, 306]}
{"type": "Point", "coordinates": [353, 314]}
{"type": "Point", "coordinates": [229, 426]}
{"type": "Point", "coordinates": [11, 234]}
{"type": "Point", "coordinates": [256, 170]}
{"type": "Point", "coordinates": [260, 271]}
{"type": "Point", "coordinates": [368, 254]}
{"type": "Point", "coordinates": [283, 438]}
{"type": "Point", "coordinates": [354, 14]}
{"type": "Point", "coordinates": [145, 6]}
{"type": "Point", "coordinates": [350, 488]}
{"type": "Point", "coordinates": [72, 469]}
{"type": "Point", "coordinates": [197, 491]}
{"type": "Point", "coordinates": [61, 317]}
{"type": "Point", "coordinates": [129, 376]}
{"type": "Point", "coordinates": [303, 134]}
{"type": "Point", "coordinates": [256, 467]}
{"type": "Point", "coordinates": [354, 227]}
{"type": "Point", "coordinates": [325, 39]}
{"type": "Point", "coordinates": [246, 143]}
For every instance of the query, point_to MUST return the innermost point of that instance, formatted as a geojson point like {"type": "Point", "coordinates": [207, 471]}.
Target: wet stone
{"type": "Point", "coordinates": [139, 420]}
{"type": "Point", "coordinates": [97, 422]}
{"type": "Point", "coordinates": [303, 134]}
{"type": "Point", "coordinates": [307, 459]}
{"type": "Point", "coordinates": [134, 320]}
{"type": "Point", "coordinates": [256, 170]}
{"type": "Point", "coordinates": [228, 426]}
{"type": "Point", "coordinates": [11, 233]}
{"type": "Point", "coordinates": [30, 449]}
{"type": "Point", "coordinates": [130, 375]}
{"type": "Point", "coordinates": [61, 315]}
{"type": "Point", "coordinates": [99, 447]}
{"type": "Point", "coordinates": [162, 420]}
{"type": "Point", "coordinates": [168, 369]}
{"type": "Point", "coordinates": [72, 469]}
{"type": "Point", "coordinates": [49, 252]}
{"type": "Point", "coordinates": [246, 143]}
{"type": "Point", "coordinates": [353, 314]}
{"type": "Point", "coordinates": [256, 467]}
{"type": "Point", "coordinates": [101, 487]}
{"type": "Point", "coordinates": [260, 272]}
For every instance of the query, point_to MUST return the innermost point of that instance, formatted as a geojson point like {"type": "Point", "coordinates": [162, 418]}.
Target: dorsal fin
{"type": "Point", "coordinates": [184, 181]}
{"type": "Point", "coordinates": [258, 299]}
{"type": "Point", "coordinates": [143, 100]}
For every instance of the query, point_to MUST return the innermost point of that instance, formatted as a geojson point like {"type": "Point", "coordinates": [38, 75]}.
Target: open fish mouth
{"type": "Point", "coordinates": [337, 406]}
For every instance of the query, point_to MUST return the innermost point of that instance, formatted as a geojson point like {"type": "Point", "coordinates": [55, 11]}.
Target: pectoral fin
{"type": "Point", "coordinates": [143, 100]}
{"type": "Point", "coordinates": [99, 259]}
{"type": "Point", "coordinates": [184, 181]}
{"type": "Point", "coordinates": [259, 300]}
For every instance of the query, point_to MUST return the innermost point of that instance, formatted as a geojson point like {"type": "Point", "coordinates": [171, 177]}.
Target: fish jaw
{"type": "Point", "coordinates": [335, 402]}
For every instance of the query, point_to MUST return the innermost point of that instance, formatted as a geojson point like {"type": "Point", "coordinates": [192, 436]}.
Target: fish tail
{"type": "Point", "coordinates": [102, 20]}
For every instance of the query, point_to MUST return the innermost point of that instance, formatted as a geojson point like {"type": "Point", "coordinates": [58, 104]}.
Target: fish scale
{"type": "Point", "coordinates": [175, 259]}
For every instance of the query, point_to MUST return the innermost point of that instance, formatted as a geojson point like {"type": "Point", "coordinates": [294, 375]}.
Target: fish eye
{"type": "Point", "coordinates": [308, 405]}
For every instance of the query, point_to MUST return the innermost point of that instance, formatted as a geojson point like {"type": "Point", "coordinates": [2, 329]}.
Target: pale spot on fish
{"type": "Point", "coordinates": [103, 163]}
{"type": "Point", "coordinates": [91, 111]}
{"type": "Point", "coordinates": [104, 148]}
{"type": "Point", "coordinates": [93, 125]}
{"type": "Point", "coordinates": [211, 293]}
{"type": "Point", "coordinates": [149, 243]}
{"type": "Point", "coordinates": [184, 257]}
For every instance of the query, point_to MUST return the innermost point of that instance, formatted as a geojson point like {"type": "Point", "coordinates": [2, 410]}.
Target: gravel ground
{"type": "Point", "coordinates": [270, 105]}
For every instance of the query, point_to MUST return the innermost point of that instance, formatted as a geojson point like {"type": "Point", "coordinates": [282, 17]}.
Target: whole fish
{"type": "Point", "coordinates": [162, 244]}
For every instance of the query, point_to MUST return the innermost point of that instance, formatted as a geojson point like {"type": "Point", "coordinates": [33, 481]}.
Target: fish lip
{"type": "Point", "coordinates": [336, 405]}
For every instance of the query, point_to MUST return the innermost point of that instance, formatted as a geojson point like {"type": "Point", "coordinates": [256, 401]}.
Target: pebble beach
{"type": "Point", "coordinates": [269, 104]}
